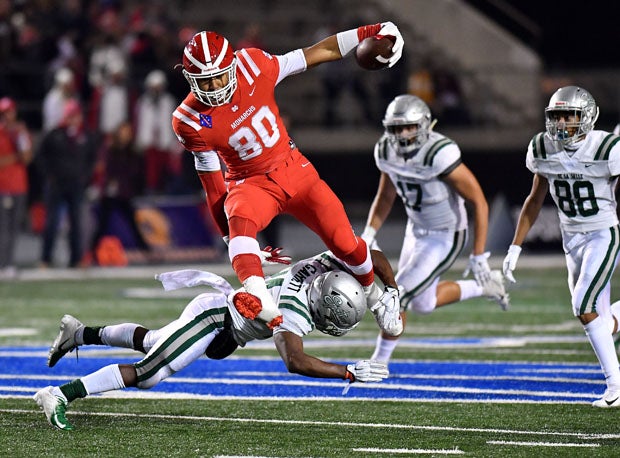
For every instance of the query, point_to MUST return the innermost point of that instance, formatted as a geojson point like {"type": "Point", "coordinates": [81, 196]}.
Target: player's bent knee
{"type": "Point", "coordinates": [422, 307]}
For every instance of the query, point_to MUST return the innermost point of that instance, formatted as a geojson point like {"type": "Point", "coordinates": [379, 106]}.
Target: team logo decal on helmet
{"type": "Point", "coordinates": [407, 123]}
{"type": "Point", "coordinates": [337, 302]}
{"type": "Point", "coordinates": [209, 55]}
{"type": "Point", "coordinates": [570, 115]}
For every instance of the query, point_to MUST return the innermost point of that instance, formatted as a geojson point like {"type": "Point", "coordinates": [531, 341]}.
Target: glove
{"type": "Point", "coordinates": [272, 256]}
{"type": "Point", "coordinates": [367, 371]}
{"type": "Point", "coordinates": [510, 262]}
{"type": "Point", "coordinates": [389, 29]}
{"type": "Point", "coordinates": [479, 266]}
{"type": "Point", "coordinates": [387, 312]}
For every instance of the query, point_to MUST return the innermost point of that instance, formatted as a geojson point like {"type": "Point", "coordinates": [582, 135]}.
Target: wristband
{"type": "Point", "coordinates": [366, 31]}
{"type": "Point", "coordinates": [348, 375]}
{"type": "Point", "coordinates": [347, 41]}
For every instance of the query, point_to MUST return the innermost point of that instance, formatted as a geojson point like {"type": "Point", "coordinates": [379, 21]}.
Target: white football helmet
{"type": "Point", "coordinates": [407, 110]}
{"type": "Point", "coordinates": [337, 302]}
{"type": "Point", "coordinates": [209, 55]}
{"type": "Point", "coordinates": [570, 101]}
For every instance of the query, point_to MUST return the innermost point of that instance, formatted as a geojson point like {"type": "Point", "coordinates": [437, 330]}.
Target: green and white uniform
{"type": "Point", "coordinates": [582, 183]}
{"type": "Point", "coordinates": [186, 339]}
{"type": "Point", "coordinates": [436, 229]}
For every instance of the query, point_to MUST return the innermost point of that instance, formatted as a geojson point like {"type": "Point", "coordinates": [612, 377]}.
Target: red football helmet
{"type": "Point", "coordinates": [209, 55]}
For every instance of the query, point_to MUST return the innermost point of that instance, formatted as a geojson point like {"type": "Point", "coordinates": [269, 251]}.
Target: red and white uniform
{"type": "Point", "coordinates": [265, 173]}
{"type": "Point", "coordinates": [248, 133]}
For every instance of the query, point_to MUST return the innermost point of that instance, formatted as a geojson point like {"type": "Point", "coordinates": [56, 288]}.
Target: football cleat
{"type": "Point", "coordinates": [54, 408]}
{"type": "Point", "coordinates": [251, 307]}
{"type": "Point", "coordinates": [496, 290]}
{"type": "Point", "coordinates": [611, 398]}
{"type": "Point", "coordinates": [65, 340]}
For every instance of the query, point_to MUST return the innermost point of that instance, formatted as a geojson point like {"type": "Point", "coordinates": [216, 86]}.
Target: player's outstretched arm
{"type": "Point", "coordinates": [341, 44]}
{"type": "Point", "coordinates": [291, 349]}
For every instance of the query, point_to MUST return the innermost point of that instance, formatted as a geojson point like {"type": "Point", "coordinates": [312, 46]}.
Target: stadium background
{"type": "Point", "coordinates": [508, 55]}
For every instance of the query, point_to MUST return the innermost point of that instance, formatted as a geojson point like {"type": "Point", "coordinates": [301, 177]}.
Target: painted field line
{"type": "Point", "coordinates": [542, 444]}
{"type": "Point", "coordinates": [152, 416]}
{"type": "Point", "coordinates": [521, 378]}
{"type": "Point", "coordinates": [410, 451]}
{"type": "Point", "coordinates": [215, 397]}
{"type": "Point", "coordinates": [368, 386]}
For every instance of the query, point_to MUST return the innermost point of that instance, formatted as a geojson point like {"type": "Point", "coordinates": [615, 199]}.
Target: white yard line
{"type": "Point", "coordinates": [542, 444]}
{"type": "Point", "coordinates": [410, 451]}
{"type": "Point", "coordinates": [152, 417]}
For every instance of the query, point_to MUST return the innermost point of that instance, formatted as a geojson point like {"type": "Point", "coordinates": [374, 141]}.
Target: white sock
{"type": "Point", "coordinates": [118, 335]}
{"type": "Point", "coordinates": [469, 289]}
{"type": "Point", "coordinates": [603, 345]}
{"type": "Point", "coordinates": [384, 349]}
{"type": "Point", "coordinates": [615, 312]}
{"type": "Point", "coordinates": [150, 339]}
{"type": "Point", "coordinates": [107, 378]}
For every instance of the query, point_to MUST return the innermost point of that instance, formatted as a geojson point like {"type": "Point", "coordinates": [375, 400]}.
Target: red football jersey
{"type": "Point", "coordinates": [248, 133]}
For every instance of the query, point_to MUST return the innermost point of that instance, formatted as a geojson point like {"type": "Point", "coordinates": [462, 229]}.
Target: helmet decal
{"type": "Point", "coordinates": [337, 302]}
{"type": "Point", "coordinates": [407, 123]}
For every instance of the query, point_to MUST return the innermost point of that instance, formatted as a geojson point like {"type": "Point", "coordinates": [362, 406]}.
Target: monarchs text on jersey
{"type": "Point", "coordinates": [248, 133]}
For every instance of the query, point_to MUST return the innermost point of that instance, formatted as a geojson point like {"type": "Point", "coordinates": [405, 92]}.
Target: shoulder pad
{"type": "Point", "coordinates": [538, 146]}
{"type": "Point", "coordinates": [434, 149]}
{"type": "Point", "coordinates": [609, 141]}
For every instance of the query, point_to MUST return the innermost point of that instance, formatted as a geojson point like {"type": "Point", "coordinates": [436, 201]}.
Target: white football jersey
{"type": "Point", "coordinates": [289, 289]}
{"type": "Point", "coordinates": [430, 203]}
{"type": "Point", "coordinates": [582, 183]}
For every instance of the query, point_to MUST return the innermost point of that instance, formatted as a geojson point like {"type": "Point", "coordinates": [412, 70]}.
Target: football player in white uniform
{"type": "Point", "coordinates": [318, 292]}
{"type": "Point", "coordinates": [425, 169]}
{"type": "Point", "coordinates": [579, 166]}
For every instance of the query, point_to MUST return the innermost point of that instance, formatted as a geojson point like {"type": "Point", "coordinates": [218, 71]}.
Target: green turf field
{"type": "Point", "coordinates": [29, 316]}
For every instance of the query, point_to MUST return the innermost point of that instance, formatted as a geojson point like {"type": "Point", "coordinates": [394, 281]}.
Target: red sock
{"type": "Point", "coordinates": [246, 265]}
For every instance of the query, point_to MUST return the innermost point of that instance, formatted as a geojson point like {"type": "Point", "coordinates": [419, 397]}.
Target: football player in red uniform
{"type": "Point", "coordinates": [230, 115]}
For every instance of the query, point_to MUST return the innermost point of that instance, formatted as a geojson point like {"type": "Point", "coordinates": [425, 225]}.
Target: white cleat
{"type": "Point", "coordinates": [65, 340]}
{"type": "Point", "coordinates": [495, 289]}
{"type": "Point", "coordinates": [611, 398]}
{"type": "Point", "coordinates": [54, 408]}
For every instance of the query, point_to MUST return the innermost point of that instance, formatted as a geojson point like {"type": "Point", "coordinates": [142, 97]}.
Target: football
{"type": "Point", "coordinates": [373, 52]}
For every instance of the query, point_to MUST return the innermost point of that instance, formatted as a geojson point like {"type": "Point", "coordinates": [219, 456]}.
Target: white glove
{"type": "Point", "coordinates": [387, 312]}
{"type": "Point", "coordinates": [271, 256]}
{"type": "Point", "coordinates": [390, 29]}
{"type": "Point", "coordinates": [510, 262]}
{"type": "Point", "coordinates": [367, 371]}
{"type": "Point", "coordinates": [479, 266]}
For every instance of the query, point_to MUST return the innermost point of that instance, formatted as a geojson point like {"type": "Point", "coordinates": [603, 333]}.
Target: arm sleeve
{"type": "Point", "coordinates": [291, 63]}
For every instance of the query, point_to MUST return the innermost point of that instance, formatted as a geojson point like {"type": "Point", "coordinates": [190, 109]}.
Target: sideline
{"type": "Point", "coordinates": [142, 272]}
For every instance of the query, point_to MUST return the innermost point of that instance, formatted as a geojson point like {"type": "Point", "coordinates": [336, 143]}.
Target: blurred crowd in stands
{"type": "Point", "coordinates": [87, 89]}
